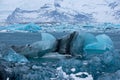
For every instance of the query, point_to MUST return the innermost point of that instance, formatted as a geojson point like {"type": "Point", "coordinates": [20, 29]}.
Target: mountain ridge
{"type": "Point", "coordinates": [100, 11]}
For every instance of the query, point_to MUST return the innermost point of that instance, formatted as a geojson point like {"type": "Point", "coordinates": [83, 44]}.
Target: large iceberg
{"type": "Point", "coordinates": [79, 41]}
{"type": "Point", "coordinates": [40, 48]}
{"type": "Point", "coordinates": [105, 40]}
{"type": "Point", "coordinates": [64, 43]}
{"type": "Point", "coordinates": [103, 44]}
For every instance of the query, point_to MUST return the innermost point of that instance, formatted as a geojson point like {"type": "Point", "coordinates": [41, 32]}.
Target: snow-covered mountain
{"type": "Point", "coordinates": [48, 13]}
{"type": "Point", "coordinates": [69, 11]}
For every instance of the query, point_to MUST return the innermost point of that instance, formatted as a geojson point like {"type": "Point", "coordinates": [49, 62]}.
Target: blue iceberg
{"type": "Point", "coordinates": [79, 41]}
{"type": "Point", "coordinates": [39, 48]}
{"type": "Point", "coordinates": [30, 27]}
{"type": "Point", "coordinates": [103, 44]}
{"type": "Point", "coordinates": [105, 40]}
{"type": "Point", "coordinates": [9, 54]}
{"type": "Point", "coordinates": [14, 57]}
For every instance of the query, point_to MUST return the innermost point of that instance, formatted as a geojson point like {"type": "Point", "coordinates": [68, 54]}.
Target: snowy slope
{"type": "Point", "coordinates": [101, 10]}
{"type": "Point", "coordinates": [48, 13]}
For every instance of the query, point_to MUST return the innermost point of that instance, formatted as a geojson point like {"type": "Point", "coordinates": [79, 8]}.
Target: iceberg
{"type": "Point", "coordinates": [103, 44]}
{"type": "Point", "coordinates": [30, 27]}
{"type": "Point", "coordinates": [14, 57]}
{"type": "Point", "coordinates": [105, 40]}
{"type": "Point", "coordinates": [79, 41]}
{"type": "Point", "coordinates": [64, 43]}
{"type": "Point", "coordinates": [9, 54]}
{"type": "Point", "coordinates": [47, 44]}
{"type": "Point", "coordinates": [96, 47]}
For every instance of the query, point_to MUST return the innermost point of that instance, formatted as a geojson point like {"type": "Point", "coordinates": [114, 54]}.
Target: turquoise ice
{"type": "Point", "coordinates": [30, 27]}
{"type": "Point", "coordinates": [38, 49]}
{"type": "Point", "coordinates": [14, 57]}
{"type": "Point", "coordinates": [80, 40]}
{"type": "Point", "coordinates": [103, 44]}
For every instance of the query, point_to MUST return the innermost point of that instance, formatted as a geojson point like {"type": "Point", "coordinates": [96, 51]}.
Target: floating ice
{"type": "Point", "coordinates": [15, 57]}
{"type": "Point", "coordinates": [64, 43]}
{"type": "Point", "coordinates": [39, 48]}
{"type": "Point", "coordinates": [110, 76]}
{"type": "Point", "coordinates": [108, 58]}
{"type": "Point", "coordinates": [54, 55]}
{"type": "Point", "coordinates": [105, 40]}
{"type": "Point", "coordinates": [96, 47]}
{"type": "Point", "coordinates": [31, 27]}
{"type": "Point", "coordinates": [10, 55]}
{"type": "Point", "coordinates": [75, 76]}
{"type": "Point", "coordinates": [103, 44]}
{"type": "Point", "coordinates": [73, 69]}
{"type": "Point", "coordinates": [79, 41]}
{"type": "Point", "coordinates": [112, 59]}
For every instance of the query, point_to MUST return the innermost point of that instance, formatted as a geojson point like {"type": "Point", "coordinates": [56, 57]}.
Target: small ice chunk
{"type": "Point", "coordinates": [75, 76]}
{"type": "Point", "coordinates": [15, 57]}
{"type": "Point", "coordinates": [61, 73]}
{"type": "Point", "coordinates": [36, 67]}
{"type": "Point", "coordinates": [7, 78]}
{"type": "Point", "coordinates": [73, 69]}
{"type": "Point", "coordinates": [9, 54]}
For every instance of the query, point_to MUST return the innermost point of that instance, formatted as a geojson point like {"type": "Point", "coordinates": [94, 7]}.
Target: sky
{"type": "Point", "coordinates": [25, 4]}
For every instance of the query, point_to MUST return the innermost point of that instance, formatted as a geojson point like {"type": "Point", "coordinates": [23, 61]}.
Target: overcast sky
{"type": "Point", "coordinates": [25, 4]}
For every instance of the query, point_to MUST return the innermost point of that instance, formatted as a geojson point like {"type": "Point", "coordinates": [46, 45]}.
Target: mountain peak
{"type": "Point", "coordinates": [48, 13]}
